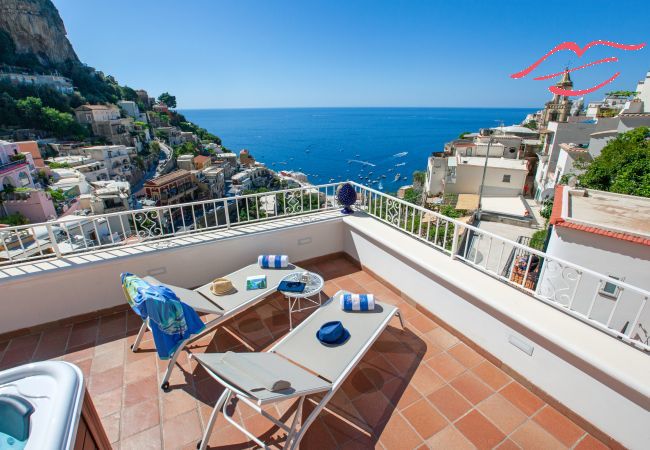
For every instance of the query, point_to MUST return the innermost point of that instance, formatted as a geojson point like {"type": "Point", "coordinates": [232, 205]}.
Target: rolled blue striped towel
{"type": "Point", "coordinates": [273, 261]}
{"type": "Point", "coordinates": [357, 302]}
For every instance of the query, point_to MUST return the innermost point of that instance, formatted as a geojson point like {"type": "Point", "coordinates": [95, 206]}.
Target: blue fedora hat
{"type": "Point", "coordinates": [332, 333]}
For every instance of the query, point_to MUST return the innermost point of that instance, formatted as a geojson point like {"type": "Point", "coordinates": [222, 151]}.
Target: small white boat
{"type": "Point", "coordinates": [380, 186]}
{"type": "Point", "coordinates": [397, 177]}
{"type": "Point", "coordinates": [400, 164]}
{"type": "Point", "coordinates": [400, 155]}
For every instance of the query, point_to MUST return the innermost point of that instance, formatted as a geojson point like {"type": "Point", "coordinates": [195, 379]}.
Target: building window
{"type": "Point", "coordinates": [468, 152]}
{"type": "Point", "coordinates": [506, 179]}
{"type": "Point", "coordinates": [609, 289]}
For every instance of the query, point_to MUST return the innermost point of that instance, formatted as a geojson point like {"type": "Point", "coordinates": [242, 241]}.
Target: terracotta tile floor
{"type": "Point", "coordinates": [416, 388]}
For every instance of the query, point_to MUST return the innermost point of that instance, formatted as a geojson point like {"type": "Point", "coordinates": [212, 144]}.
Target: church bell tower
{"type": "Point", "coordinates": [559, 108]}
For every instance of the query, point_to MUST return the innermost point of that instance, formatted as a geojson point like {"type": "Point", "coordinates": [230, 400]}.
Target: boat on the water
{"type": "Point", "coordinates": [380, 186]}
{"type": "Point", "coordinates": [400, 154]}
{"type": "Point", "coordinates": [397, 175]}
{"type": "Point", "coordinates": [400, 164]}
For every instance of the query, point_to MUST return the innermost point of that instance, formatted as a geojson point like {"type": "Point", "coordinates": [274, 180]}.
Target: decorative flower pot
{"type": "Point", "coordinates": [347, 196]}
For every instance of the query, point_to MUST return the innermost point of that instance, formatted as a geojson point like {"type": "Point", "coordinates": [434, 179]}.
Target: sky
{"type": "Point", "coordinates": [304, 53]}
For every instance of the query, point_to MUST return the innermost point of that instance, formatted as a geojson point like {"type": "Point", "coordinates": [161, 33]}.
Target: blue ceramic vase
{"type": "Point", "coordinates": [347, 196]}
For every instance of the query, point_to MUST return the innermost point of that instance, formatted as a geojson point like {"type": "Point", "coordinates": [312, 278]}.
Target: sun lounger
{"type": "Point", "coordinates": [298, 359]}
{"type": "Point", "coordinates": [202, 300]}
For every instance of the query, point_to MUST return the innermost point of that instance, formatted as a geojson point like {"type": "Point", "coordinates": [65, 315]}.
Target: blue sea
{"type": "Point", "coordinates": [348, 143]}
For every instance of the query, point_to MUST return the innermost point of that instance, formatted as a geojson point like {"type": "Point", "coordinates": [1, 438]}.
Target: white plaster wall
{"type": "Point", "coordinates": [435, 181]}
{"type": "Point", "coordinates": [51, 295]}
{"type": "Point", "coordinates": [615, 414]}
{"type": "Point", "coordinates": [468, 181]}
{"type": "Point", "coordinates": [607, 256]}
{"type": "Point", "coordinates": [567, 132]}
{"type": "Point", "coordinates": [643, 89]}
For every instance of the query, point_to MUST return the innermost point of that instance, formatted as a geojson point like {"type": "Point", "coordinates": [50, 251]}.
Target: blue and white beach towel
{"type": "Point", "coordinates": [273, 261]}
{"type": "Point", "coordinates": [171, 321]}
{"type": "Point", "coordinates": [358, 302]}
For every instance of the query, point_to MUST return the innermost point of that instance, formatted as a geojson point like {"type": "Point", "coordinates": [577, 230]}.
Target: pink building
{"type": "Point", "coordinates": [15, 167]}
{"type": "Point", "coordinates": [34, 204]}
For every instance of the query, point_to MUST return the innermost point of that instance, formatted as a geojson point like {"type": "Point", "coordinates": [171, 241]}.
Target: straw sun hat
{"type": "Point", "coordinates": [222, 286]}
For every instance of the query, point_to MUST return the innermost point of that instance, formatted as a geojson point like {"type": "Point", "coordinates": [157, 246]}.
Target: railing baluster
{"type": "Point", "coordinates": [182, 208]}
{"type": "Point", "coordinates": [38, 244]}
{"type": "Point", "coordinates": [487, 257]}
{"type": "Point", "coordinates": [226, 210]}
{"type": "Point", "coordinates": [83, 236]}
{"type": "Point", "coordinates": [593, 300]}
{"type": "Point", "coordinates": [99, 241]}
{"type": "Point", "coordinates": [637, 317]}
{"type": "Point", "coordinates": [6, 247]}
{"type": "Point", "coordinates": [171, 220]}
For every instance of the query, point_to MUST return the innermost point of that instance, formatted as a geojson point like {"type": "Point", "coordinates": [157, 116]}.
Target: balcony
{"type": "Point", "coordinates": [485, 359]}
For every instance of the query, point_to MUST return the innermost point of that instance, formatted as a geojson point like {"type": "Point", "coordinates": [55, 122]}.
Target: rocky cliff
{"type": "Point", "coordinates": [36, 28]}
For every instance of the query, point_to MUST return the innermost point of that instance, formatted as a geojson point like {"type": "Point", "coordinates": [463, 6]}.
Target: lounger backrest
{"type": "Point", "coordinates": [241, 297]}
{"type": "Point", "coordinates": [301, 345]}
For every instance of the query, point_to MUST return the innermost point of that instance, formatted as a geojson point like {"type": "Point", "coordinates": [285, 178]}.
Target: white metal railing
{"type": "Point", "coordinates": [74, 234]}
{"type": "Point", "coordinates": [613, 306]}
{"type": "Point", "coordinates": [610, 305]}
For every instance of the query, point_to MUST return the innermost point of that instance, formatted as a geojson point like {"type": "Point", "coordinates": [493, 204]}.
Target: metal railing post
{"type": "Point", "coordinates": [454, 242]}
{"type": "Point", "coordinates": [55, 244]}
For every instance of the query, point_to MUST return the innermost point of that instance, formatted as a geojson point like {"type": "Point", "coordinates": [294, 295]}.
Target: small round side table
{"type": "Point", "coordinates": [310, 298]}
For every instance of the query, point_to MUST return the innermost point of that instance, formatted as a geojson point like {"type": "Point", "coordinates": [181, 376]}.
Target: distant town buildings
{"type": "Point", "coordinates": [115, 158]}
{"type": "Point", "coordinates": [559, 108]}
{"type": "Point", "coordinates": [107, 197]}
{"type": "Point", "coordinates": [582, 138]}
{"type": "Point", "coordinates": [246, 159]}
{"type": "Point", "coordinates": [132, 110]}
{"type": "Point", "coordinates": [15, 167]}
{"type": "Point", "coordinates": [56, 82]}
{"type": "Point", "coordinates": [172, 188]}
{"type": "Point", "coordinates": [106, 121]}
{"type": "Point", "coordinates": [463, 175]}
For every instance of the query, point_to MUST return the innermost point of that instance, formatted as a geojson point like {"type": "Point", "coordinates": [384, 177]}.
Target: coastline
{"type": "Point", "coordinates": [320, 141]}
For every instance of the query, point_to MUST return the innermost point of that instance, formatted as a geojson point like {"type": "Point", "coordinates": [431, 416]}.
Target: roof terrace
{"type": "Point", "coordinates": [490, 355]}
{"type": "Point", "coordinates": [417, 387]}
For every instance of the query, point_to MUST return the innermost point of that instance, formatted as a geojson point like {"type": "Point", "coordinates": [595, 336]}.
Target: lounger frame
{"type": "Point", "coordinates": [223, 315]}
{"type": "Point", "coordinates": [296, 430]}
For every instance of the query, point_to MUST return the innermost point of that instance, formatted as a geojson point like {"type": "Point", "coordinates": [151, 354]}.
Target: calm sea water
{"type": "Point", "coordinates": [347, 143]}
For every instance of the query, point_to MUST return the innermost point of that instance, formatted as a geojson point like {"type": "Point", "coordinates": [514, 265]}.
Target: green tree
{"type": "Point", "coordinates": [14, 219]}
{"type": "Point", "coordinates": [33, 114]}
{"type": "Point", "coordinates": [531, 124]}
{"type": "Point", "coordinates": [186, 148]}
{"type": "Point", "coordinates": [57, 195]}
{"type": "Point", "coordinates": [419, 178]}
{"type": "Point", "coordinates": [167, 99]}
{"type": "Point", "coordinates": [547, 209]}
{"type": "Point", "coordinates": [8, 110]}
{"type": "Point", "coordinates": [623, 166]}
{"type": "Point", "coordinates": [623, 93]}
